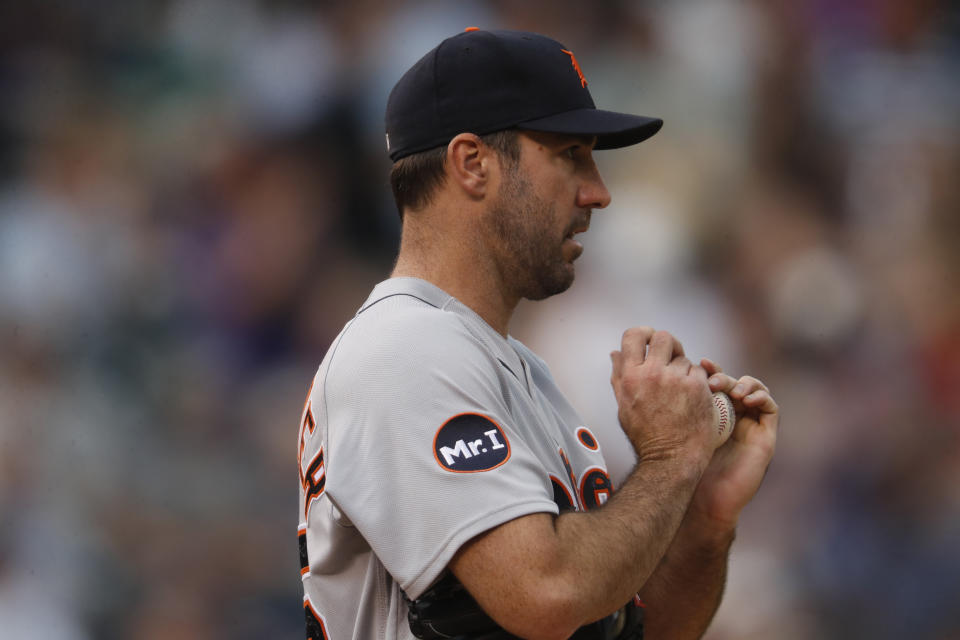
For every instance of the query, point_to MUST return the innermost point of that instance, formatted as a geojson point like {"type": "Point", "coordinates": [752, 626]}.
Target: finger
{"type": "Point", "coordinates": [754, 383]}
{"type": "Point", "coordinates": [661, 347]}
{"type": "Point", "coordinates": [634, 344]}
{"type": "Point", "coordinates": [616, 359]}
{"type": "Point", "coordinates": [677, 348]}
{"type": "Point", "coordinates": [745, 386]}
{"type": "Point", "coordinates": [698, 371]}
{"type": "Point", "coordinates": [710, 366]}
{"type": "Point", "coordinates": [721, 382]}
{"type": "Point", "coordinates": [683, 364]}
{"type": "Point", "coordinates": [761, 400]}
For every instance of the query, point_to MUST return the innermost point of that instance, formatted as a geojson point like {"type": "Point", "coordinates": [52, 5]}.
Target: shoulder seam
{"type": "Point", "coordinates": [326, 411]}
{"type": "Point", "coordinates": [392, 295]}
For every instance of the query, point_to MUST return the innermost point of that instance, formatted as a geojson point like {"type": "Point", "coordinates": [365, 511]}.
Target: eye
{"type": "Point", "coordinates": [572, 151]}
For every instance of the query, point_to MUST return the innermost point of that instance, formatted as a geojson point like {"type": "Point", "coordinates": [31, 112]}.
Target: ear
{"type": "Point", "coordinates": [469, 164]}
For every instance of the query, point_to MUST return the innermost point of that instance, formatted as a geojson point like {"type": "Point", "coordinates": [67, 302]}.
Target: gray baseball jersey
{"type": "Point", "coordinates": [424, 427]}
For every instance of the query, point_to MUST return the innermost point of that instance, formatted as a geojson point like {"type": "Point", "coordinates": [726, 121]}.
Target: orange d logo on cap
{"type": "Point", "coordinates": [573, 59]}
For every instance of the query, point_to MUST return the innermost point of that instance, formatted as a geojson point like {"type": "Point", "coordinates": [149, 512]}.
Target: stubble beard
{"type": "Point", "coordinates": [532, 261]}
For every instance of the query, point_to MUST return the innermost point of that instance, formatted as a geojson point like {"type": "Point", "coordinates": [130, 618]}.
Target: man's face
{"type": "Point", "coordinates": [542, 202]}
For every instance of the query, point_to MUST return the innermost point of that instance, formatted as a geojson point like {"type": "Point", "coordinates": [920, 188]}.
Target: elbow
{"type": "Point", "coordinates": [548, 613]}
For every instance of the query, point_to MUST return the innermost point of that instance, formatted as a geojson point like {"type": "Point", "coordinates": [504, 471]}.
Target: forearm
{"type": "Point", "coordinates": [619, 546]}
{"type": "Point", "coordinates": [544, 576]}
{"type": "Point", "coordinates": [684, 592]}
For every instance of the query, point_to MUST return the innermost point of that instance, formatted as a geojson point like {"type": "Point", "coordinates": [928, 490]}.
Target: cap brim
{"type": "Point", "coordinates": [613, 130]}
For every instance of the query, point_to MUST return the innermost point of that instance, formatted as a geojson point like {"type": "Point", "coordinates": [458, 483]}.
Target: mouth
{"type": "Point", "coordinates": [572, 247]}
{"type": "Point", "coordinates": [579, 227]}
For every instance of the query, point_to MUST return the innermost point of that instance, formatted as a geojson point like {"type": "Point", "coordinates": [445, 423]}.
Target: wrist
{"type": "Point", "coordinates": [706, 532]}
{"type": "Point", "coordinates": [686, 455]}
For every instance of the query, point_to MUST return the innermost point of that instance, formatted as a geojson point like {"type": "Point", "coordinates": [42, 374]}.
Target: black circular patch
{"type": "Point", "coordinates": [470, 442]}
{"type": "Point", "coordinates": [586, 439]}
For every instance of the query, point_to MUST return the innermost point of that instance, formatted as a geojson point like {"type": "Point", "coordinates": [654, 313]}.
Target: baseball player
{"type": "Point", "coordinates": [447, 488]}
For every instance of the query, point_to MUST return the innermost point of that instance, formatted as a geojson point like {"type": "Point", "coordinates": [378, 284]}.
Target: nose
{"type": "Point", "coordinates": [593, 193]}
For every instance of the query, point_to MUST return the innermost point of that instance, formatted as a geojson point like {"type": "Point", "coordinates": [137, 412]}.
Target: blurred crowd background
{"type": "Point", "coordinates": [194, 200]}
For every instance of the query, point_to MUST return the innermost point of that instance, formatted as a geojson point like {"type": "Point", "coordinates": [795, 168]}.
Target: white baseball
{"type": "Point", "coordinates": [726, 418]}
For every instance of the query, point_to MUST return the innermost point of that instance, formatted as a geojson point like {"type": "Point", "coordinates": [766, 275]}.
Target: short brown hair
{"type": "Point", "coordinates": [416, 178]}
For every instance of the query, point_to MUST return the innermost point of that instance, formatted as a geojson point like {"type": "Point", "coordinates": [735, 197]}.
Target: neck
{"type": "Point", "coordinates": [462, 269]}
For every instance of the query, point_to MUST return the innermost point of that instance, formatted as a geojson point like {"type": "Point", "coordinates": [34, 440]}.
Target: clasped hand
{"type": "Point", "coordinates": [665, 408]}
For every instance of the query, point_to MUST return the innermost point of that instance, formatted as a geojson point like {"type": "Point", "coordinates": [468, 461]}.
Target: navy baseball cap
{"type": "Point", "coordinates": [485, 81]}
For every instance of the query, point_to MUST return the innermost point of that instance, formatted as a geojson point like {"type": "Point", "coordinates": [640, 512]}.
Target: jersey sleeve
{"type": "Point", "coordinates": [422, 452]}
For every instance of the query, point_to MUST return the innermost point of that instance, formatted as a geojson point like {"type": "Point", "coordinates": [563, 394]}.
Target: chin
{"type": "Point", "coordinates": [547, 287]}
